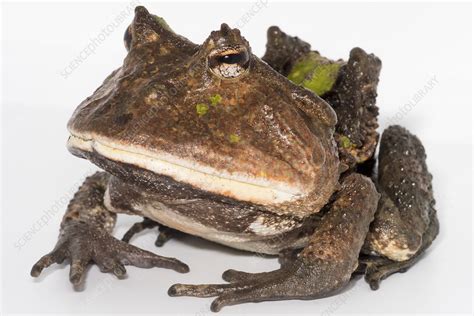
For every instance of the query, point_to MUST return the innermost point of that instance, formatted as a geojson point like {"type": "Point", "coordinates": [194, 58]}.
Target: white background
{"type": "Point", "coordinates": [416, 42]}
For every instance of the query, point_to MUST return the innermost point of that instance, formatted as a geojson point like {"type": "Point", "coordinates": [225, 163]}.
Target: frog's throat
{"type": "Point", "coordinates": [239, 186]}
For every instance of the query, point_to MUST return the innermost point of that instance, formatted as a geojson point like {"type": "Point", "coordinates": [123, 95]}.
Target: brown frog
{"type": "Point", "coordinates": [211, 141]}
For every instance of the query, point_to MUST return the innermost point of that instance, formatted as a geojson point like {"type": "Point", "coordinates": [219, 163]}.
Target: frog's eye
{"type": "Point", "coordinates": [127, 38]}
{"type": "Point", "coordinates": [229, 63]}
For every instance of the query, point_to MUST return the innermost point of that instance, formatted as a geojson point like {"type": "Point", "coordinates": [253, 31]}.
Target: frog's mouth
{"type": "Point", "coordinates": [239, 186]}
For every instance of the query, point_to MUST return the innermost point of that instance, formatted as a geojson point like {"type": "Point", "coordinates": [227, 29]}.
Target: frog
{"type": "Point", "coordinates": [273, 156]}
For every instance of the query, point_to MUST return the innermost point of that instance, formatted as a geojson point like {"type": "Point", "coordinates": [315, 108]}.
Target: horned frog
{"type": "Point", "coordinates": [272, 156]}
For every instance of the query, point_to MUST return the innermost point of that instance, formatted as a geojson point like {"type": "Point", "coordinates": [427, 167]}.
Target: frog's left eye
{"type": "Point", "coordinates": [229, 63]}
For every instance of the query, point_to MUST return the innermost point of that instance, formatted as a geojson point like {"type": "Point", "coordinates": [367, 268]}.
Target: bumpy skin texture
{"type": "Point", "coordinates": [407, 202]}
{"type": "Point", "coordinates": [85, 238]}
{"type": "Point", "coordinates": [324, 266]}
{"type": "Point", "coordinates": [352, 96]}
{"type": "Point", "coordinates": [283, 51]}
{"type": "Point", "coordinates": [405, 224]}
{"type": "Point", "coordinates": [284, 132]}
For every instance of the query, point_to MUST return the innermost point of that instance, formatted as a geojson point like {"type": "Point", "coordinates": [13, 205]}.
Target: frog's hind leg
{"type": "Point", "coordinates": [405, 223]}
{"type": "Point", "coordinates": [165, 233]}
{"type": "Point", "coordinates": [322, 268]}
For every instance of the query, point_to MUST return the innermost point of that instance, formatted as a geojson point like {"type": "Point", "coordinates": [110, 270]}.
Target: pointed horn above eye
{"type": "Point", "coordinates": [225, 29]}
{"type": "Point", "coordinates": [141, 11]}
{"type": "Point", "coordinates": [158, 24]}
{"type": "Point", "coordinates": [145, 28]}
{"type": "Point", "coordinates": [141, 30]}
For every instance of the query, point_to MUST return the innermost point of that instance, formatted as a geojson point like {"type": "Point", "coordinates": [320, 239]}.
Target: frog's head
{"type": "Point", "coordinates": [213, 116]}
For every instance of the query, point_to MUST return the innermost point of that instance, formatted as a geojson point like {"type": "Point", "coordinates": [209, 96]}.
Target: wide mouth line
{"type": "Point", "coordinates": [143, 159]}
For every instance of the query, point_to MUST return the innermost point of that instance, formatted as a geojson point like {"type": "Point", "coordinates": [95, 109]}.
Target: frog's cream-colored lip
{"type": "Point", "coordinates": [238, 186]}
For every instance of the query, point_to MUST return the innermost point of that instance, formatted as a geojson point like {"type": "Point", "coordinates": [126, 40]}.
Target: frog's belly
{"type": "Point", "coordinates": [257, 238]}
{"type": "Point", "coordinates": [231, 225]}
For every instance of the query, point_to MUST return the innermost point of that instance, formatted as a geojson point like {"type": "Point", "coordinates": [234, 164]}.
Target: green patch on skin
{"type": "Point", "coordinates": [215, 99]}
{"type": "Point", "coordinates": [202, 109]}
{"type": "Point", "coordinates": [345, 142]}
{"type": "Point", "coordinates": [162, 23]}
{"type": "Point", "coordinates": [234, 138]}
{"type": "Point", "coordinates": [315, 73]}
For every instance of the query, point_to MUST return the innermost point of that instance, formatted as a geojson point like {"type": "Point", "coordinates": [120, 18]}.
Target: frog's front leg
{"type": "Point", "coordinates": [324, 266]}
{"type": "Point", "coordinates": [85, 237]}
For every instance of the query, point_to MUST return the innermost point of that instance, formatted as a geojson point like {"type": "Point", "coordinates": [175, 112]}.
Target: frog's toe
{"type": "Point", "coordinates": [164, 233]}
{"type": "Point", "coordinates": [114, 266]}
{"type": "Point", "coordinates": [378, 269]}
{"type": "Point", "coordinates": [232, 275]}
{"type": "Point", "coordinates": [84, 244]}
{"type": "Point", "coordinates": [77, 271]}
{"type": "Point", "coordinates": [199, 290]}
{"type": "Point", "coordinates": [139, 227]}
{"type": "Point", "coordinates": [236, 297]}
{"type": "Point", "coordinates": [55, 256]}
{"type": "Point", "coordinates": [284, 283]}
{"type": "Point", "coordinates": [131, 255]}
{"type": "Point", "coordinates": [227, 294]}
{"type": "Point", "coordinates": [238, 281]}
{"type": "Point", "coordinates": [255, 290]}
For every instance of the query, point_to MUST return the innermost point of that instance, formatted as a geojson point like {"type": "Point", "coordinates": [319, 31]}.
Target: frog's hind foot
{"type": "Point", "coordinates": [377, 268]}
{"type": "Point", "coordinates": [164, 232]}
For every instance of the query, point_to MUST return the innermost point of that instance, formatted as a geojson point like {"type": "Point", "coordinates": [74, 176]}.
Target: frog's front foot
{"type": "Point", "coordinates": [83, 243]}
{"type": "Point", "coordinates": [165, 233]}
{"type": "Point", "coordinates": [299, 279]}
